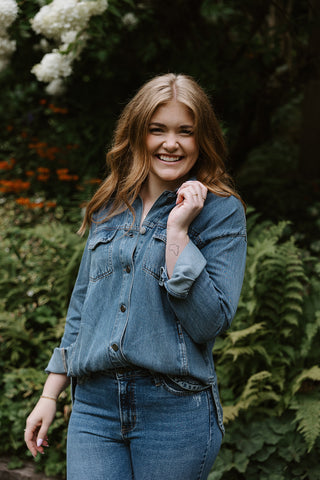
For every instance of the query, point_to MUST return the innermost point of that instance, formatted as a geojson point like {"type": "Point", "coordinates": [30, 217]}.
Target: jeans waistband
{"type": "Point", "coordinates": [129, 371]}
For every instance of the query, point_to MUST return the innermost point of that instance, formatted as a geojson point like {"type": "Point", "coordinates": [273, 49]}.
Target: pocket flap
{"type": "Point", "coordinates": [160, 234]}
{"type": "Point", "coordinates": [105, 236]}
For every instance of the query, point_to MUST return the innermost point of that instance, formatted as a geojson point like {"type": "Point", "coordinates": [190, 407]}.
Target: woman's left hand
{"type": "Point", "coordinates": [190, 201]}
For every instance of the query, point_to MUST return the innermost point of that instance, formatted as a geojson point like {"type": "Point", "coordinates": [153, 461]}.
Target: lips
{"type": "Point", "coordinates": [169, 158]}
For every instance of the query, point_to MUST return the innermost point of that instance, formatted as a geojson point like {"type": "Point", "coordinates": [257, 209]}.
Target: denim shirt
{"type": "Point", "coordinates": [124, 310]}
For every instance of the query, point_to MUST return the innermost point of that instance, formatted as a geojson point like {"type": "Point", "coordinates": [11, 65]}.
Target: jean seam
{"type": "Point", "coordinates": [205, 455]}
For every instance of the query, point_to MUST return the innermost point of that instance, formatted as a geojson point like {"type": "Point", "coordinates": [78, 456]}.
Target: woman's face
{"type": "Point", "coordinates": [171, 145]}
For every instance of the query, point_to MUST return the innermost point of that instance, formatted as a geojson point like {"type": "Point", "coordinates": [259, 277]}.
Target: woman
{"type": "Point", "coordinates": [160, 278]}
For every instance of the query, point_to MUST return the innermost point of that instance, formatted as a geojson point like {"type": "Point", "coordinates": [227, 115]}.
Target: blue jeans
{"type": "Point", "coordinates": [134, 425]}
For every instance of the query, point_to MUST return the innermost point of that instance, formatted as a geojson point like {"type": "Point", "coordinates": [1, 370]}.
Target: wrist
{"type": "Point", "coordinates": [176, 232]}
{"type": "Point", "coordinates": [49, 396]}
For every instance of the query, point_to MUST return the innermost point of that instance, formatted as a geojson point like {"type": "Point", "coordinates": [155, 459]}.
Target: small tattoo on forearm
{"type": "Point", "coordinates": [174, 249]}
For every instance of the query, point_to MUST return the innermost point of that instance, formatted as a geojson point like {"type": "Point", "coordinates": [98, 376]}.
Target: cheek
{"type": "Point", "coordinates": [193, 149]}
{"type": "Point", "coordinates": [151, 144]}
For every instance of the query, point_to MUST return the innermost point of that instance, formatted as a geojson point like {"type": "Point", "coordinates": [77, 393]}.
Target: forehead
{"type": "Point", "coordinates": [173, 112]}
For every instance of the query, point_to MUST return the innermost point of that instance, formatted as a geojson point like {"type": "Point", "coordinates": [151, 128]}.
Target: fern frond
{"type": "Point", "coordinates": [294, 295]}
{"type": "Point", "coordinates": [256, 391]}
{"type": "Point", "coordinates": [311, 331]}
{"type": "Point", "coordinates": [312, 373]}
{"type": "Point", "coordinates": [308, 417]}
{"type": "Point", "coordinates": [237, 335]}
{"type": "Point", "coordinates": [238, 351]}
{"type": "Point", "coordinates": [291, 319]}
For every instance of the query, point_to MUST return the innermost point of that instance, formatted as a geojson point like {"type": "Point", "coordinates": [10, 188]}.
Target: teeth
{"type": "Point", "coordinates": [166, 158]}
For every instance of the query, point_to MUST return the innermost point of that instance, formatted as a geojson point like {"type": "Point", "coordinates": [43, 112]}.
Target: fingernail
{"type": "Point", "coordinates": [39, 442]}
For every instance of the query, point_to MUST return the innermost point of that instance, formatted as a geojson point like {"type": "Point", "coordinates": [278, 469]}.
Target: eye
{"type": "Point", "coordinates": [186, 131]}
{"type": "Point", "coordinates": [155, 130]}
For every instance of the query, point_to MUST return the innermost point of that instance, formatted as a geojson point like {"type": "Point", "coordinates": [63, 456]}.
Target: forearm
{"type": "Point", "coordinates": [176, 242]}
{"type": "Point", "coordinates": [55, 384]}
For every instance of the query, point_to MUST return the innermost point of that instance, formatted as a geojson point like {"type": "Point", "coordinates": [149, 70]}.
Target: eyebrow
{"type": "Point", "coordinates": [163, 125]}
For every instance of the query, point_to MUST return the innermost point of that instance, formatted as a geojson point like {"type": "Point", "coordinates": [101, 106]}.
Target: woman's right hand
{"type": "Point", "coordinates": [38, 423]}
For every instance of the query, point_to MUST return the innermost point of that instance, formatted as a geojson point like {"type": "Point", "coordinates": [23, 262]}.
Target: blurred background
{"type": "Point", "coordinates": [67, 68]}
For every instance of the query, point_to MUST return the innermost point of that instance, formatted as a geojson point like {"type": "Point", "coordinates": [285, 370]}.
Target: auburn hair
{"type": "Point", "coordinates": [128, 161]}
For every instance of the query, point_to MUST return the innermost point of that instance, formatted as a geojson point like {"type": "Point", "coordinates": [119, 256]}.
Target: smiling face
{"type": "Point", "coordinates": [171, 145]}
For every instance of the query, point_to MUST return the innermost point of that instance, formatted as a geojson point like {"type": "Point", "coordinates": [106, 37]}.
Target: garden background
{"type": "Point", "coordinates": [66, 72]}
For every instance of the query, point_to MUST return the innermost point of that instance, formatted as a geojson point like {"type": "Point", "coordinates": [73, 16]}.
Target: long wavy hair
{"type": "Point", "coordinates": [128, 161]}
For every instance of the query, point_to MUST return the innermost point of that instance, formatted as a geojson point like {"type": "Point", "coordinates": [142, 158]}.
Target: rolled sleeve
{"type": "Point", "coordinates": [187, 269]}
{"type": "Point", "coordinates": [58, 362]}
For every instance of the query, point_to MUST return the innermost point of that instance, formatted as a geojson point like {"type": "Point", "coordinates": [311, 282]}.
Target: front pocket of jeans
{"type": "Point", "coordinates": [175, 389]}
{"type": "Point", "coordinates": [101, 255]}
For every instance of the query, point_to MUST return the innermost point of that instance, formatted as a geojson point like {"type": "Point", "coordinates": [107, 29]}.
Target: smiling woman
{"type": "Point", "coordinates": [159, 279]}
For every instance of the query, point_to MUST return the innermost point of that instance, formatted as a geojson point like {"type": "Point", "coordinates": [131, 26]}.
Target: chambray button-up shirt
{"type": "Point", "coordinates": [124, 310]}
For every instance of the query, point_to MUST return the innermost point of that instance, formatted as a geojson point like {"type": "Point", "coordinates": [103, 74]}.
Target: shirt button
{"type": "Point", "coordinates": [128, 269]}
{"type": "Point", "coordinates": [123, 308]}
{"type": "Point", "coordinates": [143, 230]}
{"type": "Point", "coordinates": [114, 347]}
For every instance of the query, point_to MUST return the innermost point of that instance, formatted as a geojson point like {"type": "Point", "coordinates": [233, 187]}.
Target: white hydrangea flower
{"type": "Point", "coordinates": [69, 37]}
{"type": "Point", "coordinates": [44, 45]}
{"type": "Point", "coordinates": [64, 21]}
{"type": "Point", "coordinates": [53, 66]}
{"type": "Point", "coordinates": [129, 19]}
{"type": "Point", "coordinates": [8, 13]}
{"type": "Point", "coordinates": [62, 16]}
{"type": "Point", "coordinates": [56, 87]}
{"type": "Point", "coordinates": [7, 47]}
{"type": "Point", "coordinates": [3, 63]}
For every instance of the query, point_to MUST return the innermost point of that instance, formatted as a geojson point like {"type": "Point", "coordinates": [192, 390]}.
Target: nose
{"type": "Point", "coordinates": [170, 143]}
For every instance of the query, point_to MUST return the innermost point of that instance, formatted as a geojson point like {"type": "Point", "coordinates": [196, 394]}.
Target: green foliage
{"type": "Point", "coordinates": [266, 449]}
{"type": "Point", "coordinates": [268, 363]}
{"type": "Point", "coordinates": [38, 264]}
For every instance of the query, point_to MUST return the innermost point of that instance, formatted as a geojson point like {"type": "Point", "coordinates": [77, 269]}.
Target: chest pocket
{"type": "Point", "coordinates": [101, 254]}
{"type": "Point", "coordinates": [155, 254]}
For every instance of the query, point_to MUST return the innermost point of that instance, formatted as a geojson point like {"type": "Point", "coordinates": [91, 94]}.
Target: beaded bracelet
{"type": "Point", "coordinates": [49, 397]}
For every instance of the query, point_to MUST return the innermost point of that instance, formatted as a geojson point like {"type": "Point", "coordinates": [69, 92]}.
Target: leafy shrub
{"type": "Point", "coordinates": [39, 266]}
{"type": "Point", "coordinates": [268, 363]}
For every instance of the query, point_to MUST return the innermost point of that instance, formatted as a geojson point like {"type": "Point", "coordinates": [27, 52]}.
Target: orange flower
{"type": "Point", "coordinates": [43, 101]}
{"type": "Point", "coordinates": [51, 204]}
{"type": "Point", "coordinates": [29, 173]}
{"type": "Point", "coordinates": [22, 201]}
{"type": "Point", "coordinates": [62, 171]}
{"type": "Point", "coordinates": [43, 178]}
{"type": "Point", "coordinates": [43, 170]}
{"type": "Point", "coordinates": [24, 134]}
{"type": "Point", "coordinates": [55, 109]}
{"type": "Point", "coordinates": [65, 177]}
{"type": "Point", "coordinates": [93, 181]}
{"type": "Point", "coordinates": [15, 186]}
{"type": "Point", "coordinates": [36, 205]}
{"type": "Point", "coordinates": [7, 164]}
{"type": "Point", "coordinates": [9, 128]}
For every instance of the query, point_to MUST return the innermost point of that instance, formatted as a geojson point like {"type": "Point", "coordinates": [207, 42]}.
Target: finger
{"type": "Point", "coordinates": [42, 437]}
{"type": "Point", "coordinates": [197, 188]}
{"type": "Point", "coordinates": [193, 193]}
{"type": "Point", "coordinates": [30, 439]}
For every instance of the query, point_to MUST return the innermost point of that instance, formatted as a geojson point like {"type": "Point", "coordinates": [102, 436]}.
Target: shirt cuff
{"type": "Point", "coordinates": [58, 361]}
{"type": "Point", "coordinates": [187, 269]}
